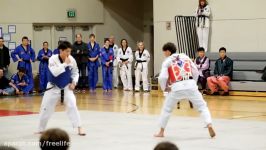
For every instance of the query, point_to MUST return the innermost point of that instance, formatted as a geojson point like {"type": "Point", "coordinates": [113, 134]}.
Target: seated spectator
{"type": "Point", "coordinates": [166, 146]}
{"type": "Point", "coordinates": [5, 89]}
{"type": "Point", "coordinates": [223, 73]}
{"type": "Point", "coordinates": [203, 64]}
{"type": "Point", "coordinates": [54, 139]}
{"type": "Point", "coordinates": [20, 82]}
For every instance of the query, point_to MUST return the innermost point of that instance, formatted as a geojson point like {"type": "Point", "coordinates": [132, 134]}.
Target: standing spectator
{"type": "Point", "coordinates": [93, 64]}
{"type": "Point", "coordinates": [56, 51]}
{"type": "Point", "coordinates": [80, 53]}
{"type": "Point", "coordinates": [4, 56]}
{"type": "Point", "coordinates": [107, 58]}
{"type": "Point", "coordinates": [223, 73]}
{"type": "Point", "coordinates": [5, 89]}
{"type": "Point", "coordinates": [26, 56]}
{"type": "Point", "coordinates": [124, 59]}
{"type": "Point", "coordinates": [141, 67]}
{"type": "Point", "coordinates": [202, 62]}
{"type": "Point", "coordinates": [115, 63]}
{"type": "Point", "coordinates": [43, 56]}
{"type": "Point", "coordinates": [203, 13]}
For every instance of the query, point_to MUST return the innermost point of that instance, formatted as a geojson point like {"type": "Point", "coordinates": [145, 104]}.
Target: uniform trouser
{"type": "Point", "coordinates": [49, 101]}
{"type": "Point", "coordinates": [144, 75]}
{"type": "Point", "coordinates": [93, 76]}
{"type": "Point", "coordinates": [203, 82]}
{"type": "Point", "coordinates": [203, 36]}
{"type": "Point", "coordinates": [9, 90]}
{"type": "Point", "coordinates": [126, 76]}
{"type": "Point", "coordinates": [222, 82]}
{"type": "Point", "coordinates": [175, 96]}
{"type": "Point", "coordinates": [82, 75]}
{"type": "Point", "coordinates": [115, 76]}
{"type": "Point", "coordinates": [107, 77]}
{"type": "Point", "coordinates": [43, 72]}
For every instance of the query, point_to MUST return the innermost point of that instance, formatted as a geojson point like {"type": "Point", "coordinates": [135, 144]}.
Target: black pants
{"type": "Point", "coordinates": [82, 76]}
{"type": "Point", "coordinates": [202, 81]}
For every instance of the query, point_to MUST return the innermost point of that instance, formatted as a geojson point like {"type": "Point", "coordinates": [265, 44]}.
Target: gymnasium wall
{"type": "Point", "coordinates": [239, 25]}
{"type": "Point", "coordinates": [123, 19]}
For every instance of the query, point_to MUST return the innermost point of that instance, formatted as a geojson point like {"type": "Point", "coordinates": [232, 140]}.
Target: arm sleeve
{"type": "Point", "coordinates": [130, 56]}
{"type": "Point", "coordinates": [74, 72]}
{"type": "Point", "coordinates": [216, 68]}
{"type": "Point", "coordinates": [206, 64]}
{"type": "Point", "coordinates": [148, 56]}
{"type": "Point", "coordinates": [32, 55]}
{"type": "Point", "coordinates": [207, 11]}
{"type": "Point", "coordinates": [229, 69]}
{"type": "Point", "coordinates": [56, 68]}
{"type": "Point", "coordinates": [163, 77]}
{"type": "Point", "coordinates": [39, 57]}
{"type": "Point", "coordinates": [14, 55]}
{"type": "Point", "coordinates": [194, 70]}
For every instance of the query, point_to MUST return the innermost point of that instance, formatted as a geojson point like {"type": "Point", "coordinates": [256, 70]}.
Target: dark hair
{"type": "Point", "coordinates": [59, 42]}
{"type": "Point", "coordinates": [92, 35]}
{"type": "Point", "coordinates": [1, 68]}
{"type": "Point", "coordinates": [2, 38]}
{"type": "Point", "coordinates": [45, 42]}
{"type": "Point", "coordinates": [105, 40]}
{"type": "Point", "coordinates": [206, 3]}
{"type": "Point", "coordinates": [222, 49]}
{"type": "Point", "coordinates": [2, 147]}
{"type": "Point", "coordinates": [169, 47]}
{"type": "Point", "coordinates": [166, 146]}
{"type": "Point", "coordinates": [54, 139]}
{"type": "Point", "coordinates": [25, 38]}
{"type": "Point", "coordinates": [122, 41]}
{"type": "Point", "coordinates": [200, 49]}
{"type": "Point", "coordinates": [21, 69]}
{"type": "Point", "coordinates": [64, 45]}
{"type": "Point", "coordinates": [79, 35]}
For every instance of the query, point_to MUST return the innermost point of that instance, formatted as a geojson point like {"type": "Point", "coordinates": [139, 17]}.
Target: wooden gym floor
{"type": "Point", "coordinates": [229, 107]}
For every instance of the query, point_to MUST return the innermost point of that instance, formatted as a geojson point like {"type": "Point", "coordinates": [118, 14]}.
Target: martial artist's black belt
{"type": "Point", "coordinates": [62, 93]}
{"type": "Point", "coordinates": [202, 17]}
{"type": "Point", "coordinates": [124, 60]}
{"type": "Point", "coordinates": [140, 61]}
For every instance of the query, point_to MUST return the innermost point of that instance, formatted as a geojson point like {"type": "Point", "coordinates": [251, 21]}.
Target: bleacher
{"type": "Point", "coordinates": [248, 68]}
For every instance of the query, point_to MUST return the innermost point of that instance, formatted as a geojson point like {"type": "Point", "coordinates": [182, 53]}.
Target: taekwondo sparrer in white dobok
{"type": "Point", "coordinates": [62, 79]}
{"type": "Point", "coordinates": [179, 77]}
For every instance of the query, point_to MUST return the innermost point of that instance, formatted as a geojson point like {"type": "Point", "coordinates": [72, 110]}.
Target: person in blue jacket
{"type": "Point", "coordinates": [107, 58]}
{"type": "Point", "coordinates": [26, 56]}
{"type": "Point", "coordinates": [43, 56]}
{"type": "Point", "coordinates": [93, 62]}
{"type": "Point", "coordinates": [20, 82]}
{"type": "Point", "coordinates": [56, 51]}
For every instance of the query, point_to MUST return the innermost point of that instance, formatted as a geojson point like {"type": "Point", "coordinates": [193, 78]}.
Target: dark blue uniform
{"type": "Point", "coordinates": [16, 80]}
{"type": "Point", "coordinates": [93, 66]}
{"type": "Point", "coordinates": [27, 55]}
{"type": "Point", "coordinates": [107, 55]}
{"type": "Point", "coordinates": [43, 67]}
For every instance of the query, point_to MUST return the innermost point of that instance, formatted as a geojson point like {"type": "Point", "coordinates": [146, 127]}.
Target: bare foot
{"type": "Point", "coordinates": [211, 131]}
{"type": "Point", "coordinates": [81, 132]}
{"type": "Point", "coordinates": [160, 134]}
